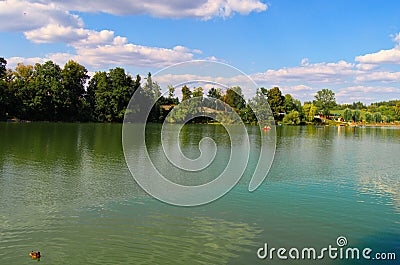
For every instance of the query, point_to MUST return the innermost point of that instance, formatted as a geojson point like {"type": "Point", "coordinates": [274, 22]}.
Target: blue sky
{"type": "Point", "coordinates": [351, 47]}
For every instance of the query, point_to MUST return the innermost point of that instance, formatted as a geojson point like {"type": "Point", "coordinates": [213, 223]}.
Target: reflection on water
{"type": "Point", "coordinates": [387, 187]}
{"type": "Point", "coordinates": [66, 191]}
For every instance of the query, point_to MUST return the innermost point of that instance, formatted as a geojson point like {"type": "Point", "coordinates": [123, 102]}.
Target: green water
{"type": "Point", "coordinates": [65, 190]}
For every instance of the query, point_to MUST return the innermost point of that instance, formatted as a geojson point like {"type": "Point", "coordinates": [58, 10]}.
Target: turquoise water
{"type": "Point", "coordinates": [65, 190]}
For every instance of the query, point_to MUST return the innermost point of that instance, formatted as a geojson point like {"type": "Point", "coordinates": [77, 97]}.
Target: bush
{"type": "Point", "coordinates": [292, 118]}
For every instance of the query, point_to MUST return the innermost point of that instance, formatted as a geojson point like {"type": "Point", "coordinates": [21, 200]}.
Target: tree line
{"type": "Point", "coordinates": [47, 92]}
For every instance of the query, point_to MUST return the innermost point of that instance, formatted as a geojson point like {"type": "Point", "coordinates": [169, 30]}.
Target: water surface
{"type": "Point", "coordinates": [65, 190]}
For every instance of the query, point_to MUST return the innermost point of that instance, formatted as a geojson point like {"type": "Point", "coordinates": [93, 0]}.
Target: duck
{"type": "Point", "coordinates": [35, 255]}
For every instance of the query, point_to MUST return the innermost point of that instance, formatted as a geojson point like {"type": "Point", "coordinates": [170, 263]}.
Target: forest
{"type": "Point", "coordinates": [47, 92]}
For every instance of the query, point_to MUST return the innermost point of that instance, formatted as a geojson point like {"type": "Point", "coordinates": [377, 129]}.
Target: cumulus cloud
{"type": "Point", "coordinates": [117, 54]}
{"type": "Point", "coordinates": [366, 94]}
{"type": "Point", "coordinates": [53, 33]}
{"type": "Point", "coordinates": [203, 9]}
{"type": "Point", "coordinates": [391, 56]}
{"type": "Point", "coordinates": [313, 73]}
{"type": "Point", "coordinates": [378, 76]}
{"type": "Point", "coordinates": [13, 61]}
{"type": "Point", "coordinates": [132, 54]}
{"type": "Point", "coordinates": [24, 16]}
{"type": "Point", "coordinates": [50, 21]}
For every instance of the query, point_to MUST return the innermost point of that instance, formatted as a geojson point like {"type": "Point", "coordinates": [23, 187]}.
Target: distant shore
{"type": "Point", "coordinates": [342, 124]}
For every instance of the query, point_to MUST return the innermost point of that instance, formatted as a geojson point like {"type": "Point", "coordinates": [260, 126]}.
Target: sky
{"type": "Point", "coordinates": [349, 46]}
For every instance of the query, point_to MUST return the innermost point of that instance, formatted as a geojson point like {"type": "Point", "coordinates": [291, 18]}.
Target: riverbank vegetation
{"type": "Point", "coordinates": [47, 92]}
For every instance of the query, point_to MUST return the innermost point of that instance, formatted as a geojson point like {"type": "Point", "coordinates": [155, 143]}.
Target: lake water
{"type": "Point", "coordinates": [65, 190]}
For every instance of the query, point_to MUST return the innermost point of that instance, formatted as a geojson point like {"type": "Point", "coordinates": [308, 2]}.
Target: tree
{"type": "Point", "coordinates": [368, 117]}
{"type": "Point", "coordinates": [325, 101]}
{"type": "Point", "coordinates": [171, 92]}
{"type": "Point", "coordinates": [261, 109]}
{"type": "Point", "coordinates": [377, 117]}
{"type": "Point", "coordinates": [4, 100]}
{"type": "Point", "coordinates": [235, 98]}
{"type": "Point", "coordinates": [214, 93]}
{"type": "Point", "coordinates": [290, 103]}
{"type": "Point", "coordinates": [356, 115]}
{"type": "Point", "coordinates": [46, 93]}
{"type": "Point", "coordinates": [19, 104]}
{"type": "Point", "coordinates": [247, 115]}
{"type": "Point", "coordinates": [357, 105]}
{"type": "Point", "coordinates": [186, 93]}
{"type": "Point", "coordinates": [276, 101]}
{"type": "Point", "coordinates": [74, 77]}
{"type": "Point", "coordinates": [397, 108]}
{"type": "Point", "coordinates": [3, 67]}
{"type": "Point", "coordinates": [292, 118]}
{"type": "Point", "coordinates": [309, 111]}
{"type": "Point", "coordinates": [121, 88]}
{"type": "Point", "coordinates": [109, 93]}
{"type": "Point", "coordinates": [198, 92]}
{"type": "Point", "coordinates": [347, 114]}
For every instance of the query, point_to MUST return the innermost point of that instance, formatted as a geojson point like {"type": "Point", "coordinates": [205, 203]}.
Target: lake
{"type": "Point", "coordinates": [66, 191]}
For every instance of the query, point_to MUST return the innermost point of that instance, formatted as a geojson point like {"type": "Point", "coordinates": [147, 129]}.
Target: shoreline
{"type": "Point", "coordinates": [344, 124]}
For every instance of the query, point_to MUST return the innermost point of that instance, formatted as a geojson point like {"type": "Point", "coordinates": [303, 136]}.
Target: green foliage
{"type": "Point", "coordinates": [348, 115]}
{"type": "Point", "coordinates": [356, 115]}
{"type": "Point", "coordinates": [3, 67]}
{"type": "Point", "coordinates": [171, 92]}
{"type": "Point", "coordinates": [309, 111]}
{"type": "Point", "coordinates": [198, 92]}
{"type": "Point", "coordinates": [292, 118]}
{"type": "Point", "coordinates": [397, 108]}
{"type": "Point", "coordinates": [369, 117]}
{"type": "Point", "coordinates": [377, 117]}
{"type": "Point", "coordinates": [186, 93]}
{"type": "Point", "coordinates": [357, 106]}
{"type": "Point", "coordinates": [74, 77]}
{"type": "Point", "coordinates": [276, 101]}
{"type": "Point", "coordinates": [259, 105]}
{"type": "Point", "coordinates": [290, 104]}
{"type": "Point", "coordinates": [108, 94]}
{"type": "Point", "coordinates": [235, 98]}
{"type": "Point", "coordinates": [214, 93]}
{"type": "Point", "coordinates": [325, 101]}
{"type": "Point", "coordinates": [48, 92]}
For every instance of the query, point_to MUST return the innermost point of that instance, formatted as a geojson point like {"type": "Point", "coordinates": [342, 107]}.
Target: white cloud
{"type": "Point", "coordinates": [366, 67]}
{"type": "Point", "coordinates": [391, 56]}
{"type": "Point", "coordinates": [366, 94]}
{"type": "Point", "coordinates": [132, 54]}
{"type": "Point", "coordinates": [313, 73]}
{"type": "Point", "coordinates": [76, 37]}
{"type": "Point", "coordinates": [378, 76]}
{"type": "Point", "coordinates": [396, 38]}
{"type": "Point", "coordinates": [203, 9]}
{"type": "Point", "coordinates": [116, 54]}
{"type": "Point", "coordinates": [24, 16]}
{"type": "Point", "coordinates": [13, 61]}
{"type": "Point", "coordinates": [46, 21]}
{"type": "Point", "coordinates": [55, 33]}
{"type": "Point", "coordinates": [305, 62]}
{"type": "Point", "coordinates": [300, 88]}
